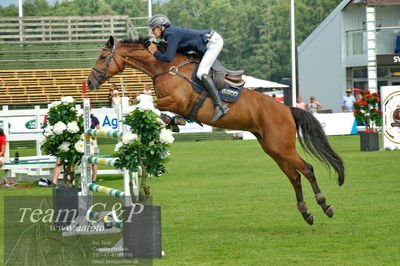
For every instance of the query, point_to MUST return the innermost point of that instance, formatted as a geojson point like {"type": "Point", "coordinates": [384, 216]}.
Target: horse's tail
{"type": "Point", "coordinates": [313, 140]}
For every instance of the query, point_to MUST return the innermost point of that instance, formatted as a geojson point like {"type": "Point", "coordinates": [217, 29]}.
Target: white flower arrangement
{"type": "Point", "coordinates": [165, 155]}
{"type": "Point", "coordinates": [129, 138]}
{"type": "Point", "coordinates": [158, 112]}
{"type": "Point", "coordinates": [159, 120]}
{"type": "Point", "coordinates": [54, 104]}
{"type": "Point", "coordinates": [64, 146]}
{"type": "Point", "coordinates": [80, 146]}
{"type": "Point", "coordinates": [48, 134]}
{"type": "Point", "coordinates": [166, 136]}
{"type": "Point", "coordinates": [67, 99]}
{"type": "Point", "coordinates": [130, 108]}
{"type": "Point", "coordinates": [145, 106]}
{"type": "Point", "coordinates": [118, 146]}
{"type": "Point", "coordinates": [72, 127]}
{"type": "Point", "coordinates": [59, 128]}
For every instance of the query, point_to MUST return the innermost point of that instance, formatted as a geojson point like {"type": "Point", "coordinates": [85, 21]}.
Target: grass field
{"type": "Point", "coordinates": [226, 203]}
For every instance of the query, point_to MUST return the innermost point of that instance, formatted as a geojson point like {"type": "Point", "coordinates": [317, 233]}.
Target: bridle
{"type": "Point", "coordinates": [102, 74]}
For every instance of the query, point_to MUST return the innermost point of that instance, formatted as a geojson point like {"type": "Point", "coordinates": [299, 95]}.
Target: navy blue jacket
{"type": "Point", "coordinates": [183, 39]}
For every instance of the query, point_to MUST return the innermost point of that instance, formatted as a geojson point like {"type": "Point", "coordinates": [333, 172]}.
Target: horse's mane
{"type": "Point", "coordinates": [162, 46]}
{"type": "Point", "coordinates": [140, 40]}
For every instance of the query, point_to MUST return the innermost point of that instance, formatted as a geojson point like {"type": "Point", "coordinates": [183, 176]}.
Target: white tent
{"type": "Point", "coordinates": [252, 82]}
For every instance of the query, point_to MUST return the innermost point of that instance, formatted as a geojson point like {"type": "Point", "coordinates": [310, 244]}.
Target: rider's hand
{"type": "Point", "coordinates": [152, 48]}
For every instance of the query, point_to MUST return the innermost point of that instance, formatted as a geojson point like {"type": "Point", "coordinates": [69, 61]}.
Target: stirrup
{"type": "Point", "coordinates": [220, 110]}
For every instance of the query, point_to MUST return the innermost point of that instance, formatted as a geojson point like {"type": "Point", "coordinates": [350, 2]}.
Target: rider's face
{"type": "Point", "coordinates": [157, 32]}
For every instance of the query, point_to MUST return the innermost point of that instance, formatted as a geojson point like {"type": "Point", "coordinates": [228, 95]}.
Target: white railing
{"type": "Point", "coordinates": [64, 29]}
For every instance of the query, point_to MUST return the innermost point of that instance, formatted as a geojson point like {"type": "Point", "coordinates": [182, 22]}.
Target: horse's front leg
{"type": "Point", "coordinates": [168, 104]}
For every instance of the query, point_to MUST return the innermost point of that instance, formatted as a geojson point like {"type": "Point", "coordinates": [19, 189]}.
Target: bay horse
{"type": "Point", "coordinates": [273, 123]}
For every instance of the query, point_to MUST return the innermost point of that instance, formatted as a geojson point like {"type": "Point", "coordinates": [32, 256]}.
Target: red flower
{"type": "Point", "coordinates": [375, 94]}
{"type": "Point", "coordinates": [368, 96]}
{"type": "Point", "coordinates": [362, 103]}
{"type": "Point", "coordinates": [373, 109]}
{"type": "Point", "coordinates": [380, 112]}
{"type": "Point", "coordinates": [367, 92]}
{"type": "Point", "coordinates": [377, 99]}
{"type": "Point", "coordinates": [355, 111]}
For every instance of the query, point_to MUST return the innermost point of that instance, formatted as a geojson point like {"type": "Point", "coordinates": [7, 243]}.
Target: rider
{"type": "Point", "coordinates": [207, 43]}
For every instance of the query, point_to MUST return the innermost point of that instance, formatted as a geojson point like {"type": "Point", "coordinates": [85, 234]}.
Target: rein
{"type": "Point", "coordinates": [174, 71]}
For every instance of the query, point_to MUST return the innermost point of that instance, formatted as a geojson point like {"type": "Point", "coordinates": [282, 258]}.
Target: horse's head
{"type": "Point", "coordinates": [111, 61]}
{"type": "Point", "coordinates": [107, 65]}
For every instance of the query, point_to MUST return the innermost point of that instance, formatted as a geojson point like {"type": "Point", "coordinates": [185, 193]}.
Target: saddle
{"type": "Point", "coordinates": [220, 75]}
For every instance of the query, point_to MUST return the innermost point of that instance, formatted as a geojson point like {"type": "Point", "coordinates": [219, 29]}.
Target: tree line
{"type": "Point", "coordinates": [256, 32]}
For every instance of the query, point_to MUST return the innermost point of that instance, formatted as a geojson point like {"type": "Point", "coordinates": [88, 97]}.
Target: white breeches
{"type": "Point", "coordinates": [214, 47]}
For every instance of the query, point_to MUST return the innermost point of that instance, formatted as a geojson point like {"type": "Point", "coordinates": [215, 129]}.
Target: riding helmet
{"type": "Point", "coordinates": [158, 21]}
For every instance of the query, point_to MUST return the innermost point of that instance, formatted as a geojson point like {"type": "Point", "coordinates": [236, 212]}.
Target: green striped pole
{"type": "Point", "coordinates": [101, 161]}
{"type": "Point", "coordinates": [99, 216]}
{"type": "Point", "coordinates": [104, 133]}
{"type": "Point", "coordinates": [106, 190]}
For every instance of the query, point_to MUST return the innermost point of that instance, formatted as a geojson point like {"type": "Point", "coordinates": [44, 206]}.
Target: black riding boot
{"type": "Point", "coordinates": [220, 108]}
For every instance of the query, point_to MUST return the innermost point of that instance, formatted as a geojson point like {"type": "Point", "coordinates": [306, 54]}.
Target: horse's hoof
{"type": "Point", "coordinates": [310, 219]}
{"type": "Point", "coordinates": [329, 211]}
{"type": "Point", "coordinates": [174, 128]}
{"type": "Point", "coordinates": [179, 120]}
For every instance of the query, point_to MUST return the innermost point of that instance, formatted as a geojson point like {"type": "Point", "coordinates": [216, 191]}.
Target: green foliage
{"type": "Point", "coordinates": [365, 110]}
{"type": "Point", "coordinates": [36, 8]}
{"type": "Point", "coordinates": [9, 11]}
{"type": "Point", "coordinates": [132, 8]}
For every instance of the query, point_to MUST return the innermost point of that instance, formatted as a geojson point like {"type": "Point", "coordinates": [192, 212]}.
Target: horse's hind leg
{"type": "Point", "coordinates": [308, 172]}
{"type": "Point", "coordinates": [294, 177]}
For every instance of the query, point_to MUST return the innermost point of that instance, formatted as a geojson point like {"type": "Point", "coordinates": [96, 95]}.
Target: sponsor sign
{"type": "Point", "coordinates": [22, 124]}
{"type": "Point", "coordinates": [390, 96]}
{"type": "Point", "coordinates": [388, 59]}
{"type": "Point", "coordinates": [333, 124]}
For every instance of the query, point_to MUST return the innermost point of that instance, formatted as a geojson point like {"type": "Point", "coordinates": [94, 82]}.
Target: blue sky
{"type": "Point", "coordinates": [15, 2]}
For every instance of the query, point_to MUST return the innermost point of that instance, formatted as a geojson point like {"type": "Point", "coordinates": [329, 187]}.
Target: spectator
{"type": "Point", "coordinates": [147, 89]}
{"type": "Point", "coordinates": [313, 106]}
{"type": "Point", "coordinates": [56, 173]}
{"type": "Point", "coordinates": [3, 144]}
{"type": "Point", "coordinates": [95, 124]}
{"type": "Point", "coordinates": [358, 97]}
{"type": "Point", "coordinates": [110, 93]}
{"type": "Point", "coordinates": [114, 97]}
{"type": "Point", "coordinates": [348, 101]}
{"type": "Point", "coordinates": [300, 104]}
{"type": "Point", "coordinates": [133, 99]}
